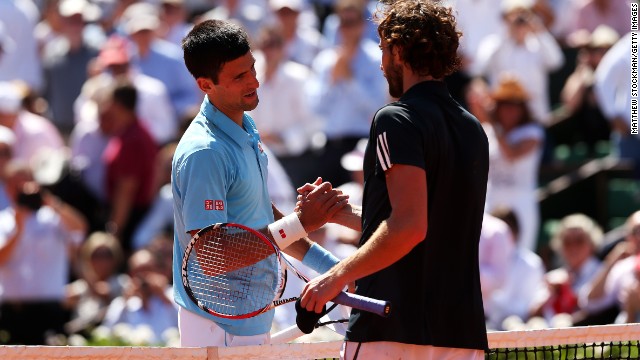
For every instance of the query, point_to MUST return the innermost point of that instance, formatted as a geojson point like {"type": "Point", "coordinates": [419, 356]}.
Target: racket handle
{"type": "Point", "coordinates": [379, 307]}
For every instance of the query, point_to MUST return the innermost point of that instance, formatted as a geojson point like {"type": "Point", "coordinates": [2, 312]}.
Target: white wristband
{"type": "Point", "coordinates": [287, 230]}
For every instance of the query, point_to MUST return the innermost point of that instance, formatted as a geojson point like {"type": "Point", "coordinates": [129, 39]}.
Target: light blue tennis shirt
{"type": "Point", "coordinates": [219, 174]}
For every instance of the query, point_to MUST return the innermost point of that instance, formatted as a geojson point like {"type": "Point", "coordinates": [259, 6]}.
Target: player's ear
{"type": "Point", "coordinates": [205, 84]}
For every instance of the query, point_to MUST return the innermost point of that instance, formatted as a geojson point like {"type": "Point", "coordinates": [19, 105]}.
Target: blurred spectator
{"type": "Point", "coordinates": [159, 218]}
{"type": "Point", "coordinates": [576, 242]}
{"type": "Point", "coordinates": [527, 50]}
{"type": "Point", "coordinates": [7, 141]}
{"type": "Point", "coordinates": [515, 149]}
{"type": "Point", "coordinates": [252, 15]}
{"type": "Point", "coordinates": [613, 91]}
{"type": "Point", "coordinates": [347, 90]}
{"type": "Point", "coordinates": [496, 251]}
{"type": "Point", "coordinates": [524, 285]}
{"type": "Point", "coordinates": [467, 14]}
{"type": "Point", "coordinates": [630, 297]}
{"type": "Point", "coordinates": [130, 159]}
{"type": "Point", "coordinates": [159, 58]}
{"type": "Point", "coordinates": [174, 25]}
{"type": "Point", "coordinates": [287, 123]}
{"type": "Point", "coordinates": [98, 284]}
{"type": "Point", "coordinates": [39, 236]}
{"type": "Point", "coordinates": [604, 295]}
{"type": "Point", "coordinates": [19, 59]}
{"type": "Point", "coordinates": [154, 106]}
{"type": "Point", "coordinates": [578, 97]}
{"type": "Point", "coordinates": [340, 240]}
{"type": "Point", "coordinates": [592, 13]}
{"type": "Point", "coordinates": [302, 41]}
{"type": "Point", "coordinates": [161, 247]}
{"type": "Point", "coordinates": [33, 133]}
{"type": "Point", "coordinates": [65, 60]}
{"type": "Point", "coordinates": [147, 300]}
{"type": "Point", "coordinates": [331, 27]}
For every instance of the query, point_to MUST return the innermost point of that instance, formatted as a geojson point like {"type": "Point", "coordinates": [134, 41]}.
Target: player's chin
{"type": "Point", "coordinates": [251, 102]}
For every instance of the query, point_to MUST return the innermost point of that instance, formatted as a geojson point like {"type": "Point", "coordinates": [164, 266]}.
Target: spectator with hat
{"type": "Point", "coordinates": [515, 149]}
{"type": "Point", "coordinates": [154, 106]}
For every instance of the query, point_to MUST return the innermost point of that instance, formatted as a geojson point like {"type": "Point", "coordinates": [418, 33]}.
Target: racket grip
{"type": "Point", "coordinates": [379, 307]}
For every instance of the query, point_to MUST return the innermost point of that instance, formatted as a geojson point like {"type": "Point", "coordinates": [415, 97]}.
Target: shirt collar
{"type": "Point", "coordinates": [430, 86]}
{"type": "Point", "coordinates": [228, 126]}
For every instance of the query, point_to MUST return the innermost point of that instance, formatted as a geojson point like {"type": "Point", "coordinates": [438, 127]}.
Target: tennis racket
{"type": "Point", "coordinates": [232, 271]}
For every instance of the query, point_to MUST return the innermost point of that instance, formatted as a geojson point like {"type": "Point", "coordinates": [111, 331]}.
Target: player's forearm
{"type": "Point", "coordinates": [387, 245]}
{"type": "Point", "coordinates": [349, 216]}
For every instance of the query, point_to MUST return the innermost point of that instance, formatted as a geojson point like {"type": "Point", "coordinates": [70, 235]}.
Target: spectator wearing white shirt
{"type": "Point", "coordinates": [515, 150]}
{"type": "Point", "coordinates": [613, 91]}
{"type": "Point", "coordinates": [495, 252]}
{"type": "Point", "coordinates": [524, 285]}
{"type": "Point", "coordinates": [146, 301]}
{"type": "Point", "coordinates": [34, 133]}
{"type": "Point", "coordinates": [467, 14]}
{"type": "Point", "coordinates": [39, 236]}
{"type": "Point", "coordinates": [527, 50]}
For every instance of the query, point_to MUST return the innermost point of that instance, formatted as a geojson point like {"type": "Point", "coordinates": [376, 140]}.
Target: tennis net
{"type": "Point", "coordinates": [594, 342]}
{"type": "Point", "coordinates": [589, 342]}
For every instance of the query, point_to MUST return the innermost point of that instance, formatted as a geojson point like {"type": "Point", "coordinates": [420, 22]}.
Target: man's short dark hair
{"type": "Point", "coordinates": [424, 32]}
{"type": "Point", "coordinates": [211, 44]}
{"type": "Point", "coordinates": [125, 94]}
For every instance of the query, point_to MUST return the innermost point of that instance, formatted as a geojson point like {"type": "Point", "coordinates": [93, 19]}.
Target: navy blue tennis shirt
{"type": "Point", "coordinates": [435, 288]}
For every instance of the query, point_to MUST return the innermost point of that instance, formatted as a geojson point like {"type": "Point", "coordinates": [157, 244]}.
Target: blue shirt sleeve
{"type": "Point", "coordinates": [205, 179]}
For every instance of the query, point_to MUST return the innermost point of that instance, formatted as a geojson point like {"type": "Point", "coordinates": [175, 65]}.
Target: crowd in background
{"type": "Point", "coordinates": [94, 95]}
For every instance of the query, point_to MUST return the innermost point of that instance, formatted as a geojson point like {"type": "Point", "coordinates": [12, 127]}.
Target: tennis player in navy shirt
{"type": "Point", "coordinates": [425, 170]}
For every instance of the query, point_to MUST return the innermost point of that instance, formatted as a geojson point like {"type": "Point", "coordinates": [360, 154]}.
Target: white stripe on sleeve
{"type": "Point", "coordinates": [382, 148]}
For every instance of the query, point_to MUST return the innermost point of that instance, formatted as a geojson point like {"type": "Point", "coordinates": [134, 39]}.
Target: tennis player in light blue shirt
{"type": "Point", "coordinates": [235, 191]}
{"type": "Point", "coordinates": [219, 174]}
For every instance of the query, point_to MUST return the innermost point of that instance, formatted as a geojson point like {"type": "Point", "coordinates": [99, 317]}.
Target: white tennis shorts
{"type": "Point", "coordinates": [197, 331]}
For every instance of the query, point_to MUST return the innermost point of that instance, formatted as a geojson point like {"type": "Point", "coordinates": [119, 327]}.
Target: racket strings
{"type": "Point", "coordinates": [232, 273]}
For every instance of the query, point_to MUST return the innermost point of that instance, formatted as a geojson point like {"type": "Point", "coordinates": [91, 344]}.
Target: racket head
{"type": "Point", "coordinates": [232, 271]}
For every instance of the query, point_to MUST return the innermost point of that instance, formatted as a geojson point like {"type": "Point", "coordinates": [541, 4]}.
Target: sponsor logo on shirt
{"type": "Point", "coordinates": [214, 205]}
{"type": "Point", "coordinates": [282, 233]}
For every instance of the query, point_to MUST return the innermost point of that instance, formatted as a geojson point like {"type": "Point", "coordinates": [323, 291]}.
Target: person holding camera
{"type": "Point", "coordinates": [38, 238]}
{"type": "Point", "coordinates": [526, 50]}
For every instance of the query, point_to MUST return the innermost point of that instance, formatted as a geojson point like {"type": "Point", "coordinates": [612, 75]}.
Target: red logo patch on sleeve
{"type": "Point", "coordinates": [214, 205]}
{"type": "Point", "coordinates": [282, 233]}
